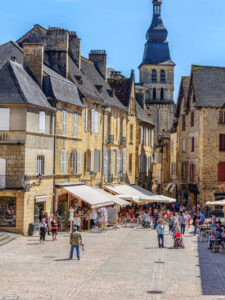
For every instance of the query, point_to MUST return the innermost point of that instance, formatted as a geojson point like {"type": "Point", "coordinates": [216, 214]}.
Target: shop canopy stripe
{"type": "Point", "coordinates": [113, 198]}
{"type": "Point", "coordinates": [89, 195]}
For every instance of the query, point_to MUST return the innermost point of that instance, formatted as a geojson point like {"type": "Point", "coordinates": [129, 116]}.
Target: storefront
{"type": "Point", "coordinates": [8, 212]}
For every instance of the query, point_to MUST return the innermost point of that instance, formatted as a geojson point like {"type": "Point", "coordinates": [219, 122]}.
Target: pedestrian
{"type": "Point", "coordinates": [181, 209]}
{"type": "Point", "coordinates": [156, 218]}
{"type": "Point", "coordinates": [195, 224]}
{"type": "Point", "coordinates": [75, 242]}
{"type": "Point", "coordinates": [42, 230]}
{"type": "Point", "coordinates": [42, 216]}
{"type": "Point", "coordinates": [183, 223]}
{"type": "Point", "coordinates": [77, 222]}
{"type": "Point", "coordinates": [54, 228]}
{"type": "Point", "coordinates": [188, 220]}
{"type": "Point", "coordinates": [160, 232]}
{"type": "Point", "coordinates": [47, 222]}
{"type": "Point", "coordinates": [171, 223]}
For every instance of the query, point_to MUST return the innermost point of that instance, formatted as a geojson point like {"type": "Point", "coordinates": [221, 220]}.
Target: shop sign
{"type": "Point", "coordinates": [40, 199]}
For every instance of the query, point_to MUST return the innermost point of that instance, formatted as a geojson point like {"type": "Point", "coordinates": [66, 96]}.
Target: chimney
{"type": "Point", "coordinates": [99, 58]}
{"type": "Point", "coordinates": [57, 50]}
{"type": "Point", "coordinates": [33, 60]}
{"type": "Point", "coordinates": [75, 48]}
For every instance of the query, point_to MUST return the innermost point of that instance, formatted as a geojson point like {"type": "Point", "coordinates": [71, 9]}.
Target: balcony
{"type": "Point", "coordinates": [9, 182]}
{"type": "Point", "coordinates": [122, 141]}
{"type": "Point", "coordinates": [109, 139]}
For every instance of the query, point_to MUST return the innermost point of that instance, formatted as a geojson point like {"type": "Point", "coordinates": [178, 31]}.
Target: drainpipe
{"type": "Point", "coordinates": [54, 156]}
{"type": "Point", "coordinates": [103, 131]}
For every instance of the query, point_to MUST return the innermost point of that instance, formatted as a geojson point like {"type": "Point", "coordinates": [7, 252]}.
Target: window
{"type": "Point", "coordinates": [162, 94]}
{"type": "Point", "coordinates": [192, 119]}
{"type": "Point", "coordinates": [157, 9]}
{"type": "Point", "coordinates": [118, 161]}
{"type": "Point", "coordinates": [192, 173]}
{"type": "Point", "coordinates": [141, 135]}
{"type": "Point", "coordinates": [2, 173]}
{"type": "Point", "coordinates": [183, 122]}
{"type": "Point", "coordinates": [94, 121]}
{"type": "Point", "coordinates": [172, 168]}
{"type": "Point", "coordinates": [86, 119]}
{"type": "Point", "coordinates": [221, 172]}
{"type": "Point", "coordinates": [154, 94]}
{"type": "Point", "coordinates": [154, 76]}
{"type": "Point", "coordinates": [124, 161]}
{"type": "Point", "coordinates": [162, 76]}
{"type": "Point", "coordinates": [75, 124]}
{"type": "Point", "coordinates": [222, 117]}
{"type": "Point", "coordinates": [97, 154]}
{"type": "Point", "coordinates": [63, 161]}
{"type": "Point", "coordinates": [73, 161]}
{"type": "Point", "coordinates": [4, 118]}
{"type": "Point", "coordinates": [78, 170]}
{"type": "Point", "coordinates": [42, 122]}
{"type": "Point", "coordinates": [183, 145]}
{"type": "Point", "coordinates": [131, 133]}
{"type": "Point", "coordinates": [192, 144]}
{"type": "Point", "coordinates": [106, 164]}
{"type": "Point", "coordinates": [40, 164]}
{"type": "Point", "coordinates": [64, 123]}
{"type": "Point", "coordinates": [130, 163]}
{"type": "Point", "coordinates": [108, 127]}
{"type": "Point", "coordinates": [184, 171]}
{"type": "Point", "coordinates": [222, 142]}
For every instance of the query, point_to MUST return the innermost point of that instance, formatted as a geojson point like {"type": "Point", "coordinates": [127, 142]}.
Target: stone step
{"type": "Point", "coordinates": [5, 238]}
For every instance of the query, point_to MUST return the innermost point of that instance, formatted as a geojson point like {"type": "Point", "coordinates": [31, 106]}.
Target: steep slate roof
{"type": "Point", "coordinates": [183, 92]}
{"type": "Point", "coordinates": [59, 88]}
{"type": "Point", "coordinates": [17, 87]}
{"type": "Point", "coordinates": [142, 115]}
{"type": "Point", "coordinates": [9, 50]}
{"type": "Point", "coordinates": [209, 85]}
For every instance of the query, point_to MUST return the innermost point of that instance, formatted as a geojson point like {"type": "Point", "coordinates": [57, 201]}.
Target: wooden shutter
{"type": "Point", "coordinates": [118, 161]}
{"type": "Point", "coordinates": [97, 161]}
{"type": "Point", "coordinates": [108, 124]}
{"type": "Point", "coordinates": [63, 161]}
{"type": "Point", "coordinates": [42, 122]}
{"type": "Point", "coordinates": [96, 122]}
{"type": "Point", "coordinates": [86, 119]}
{"type": "Point", "coordinates": [75, 124]}
{"type": "Point", "coordinates": [152, 139]}
{"type": "Point", "coordinates": [222, 142]}
{"type": "Point", "coordinates": [221, 117]}
{"type": "Point", "coordinates": [78, 169]}
{"type": "Point", "coordinates": [2, 173]}
{"type": "Point", "coordinates": [92, 161]}
{"type": "Point", "coordinates": [221, 172]}
{"type": "Point", "coordinates": [92, 120]}
{"type": "Point", "coordinates": [64, 122]}
{"type": "Point", "coordinates": [141, 135]}
{"type": "Point", "coordinates": [111, 161]}
{"type": "Point", "coordinates": [124, 161]}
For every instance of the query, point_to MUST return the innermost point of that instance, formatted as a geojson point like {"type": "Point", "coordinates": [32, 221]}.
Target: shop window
{"type": "Point", "coordinates": [222, 142]}
{"type": "Point", "coordinates": [40, 164]}
{"type": "Point", "coordinates": [162, 76]}
{"type": "Point", "coordinates": [154, 76]}
{"type": "Point", "coordinates": [7, 212]}
{"type": "Point", "coordinates": [221, 172]}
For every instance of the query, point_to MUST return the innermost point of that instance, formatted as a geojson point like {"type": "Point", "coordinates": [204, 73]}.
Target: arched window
{"type": "Point", "coordinates": [154, 94]}
{"type": "Point", "coordinates": [154, 76]}
{"type": "Point", "coordinates": [162, 76]}
{"type": "Point", "coordinates": [162, 94]}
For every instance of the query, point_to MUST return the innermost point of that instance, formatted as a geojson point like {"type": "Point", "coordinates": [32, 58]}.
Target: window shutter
{"type": "Point", "coordinates": [92, 161]}
{"type": "Point", "coordinates": [118, 160]}
{"type": "Point", "coordinates": [4, 118]}
{"type": "Point", "coordinates": [141, 135]}
{"type": "Point", "coordinates": [124, 161]}
{"type": "Point", "coordinates": [106, 161]}
{"type": "Point", "coordinates": [42, 122]}
{"type": "Point", "coordinates": [152, 139]}
{"type": "Point", "coordinates": [63, 161]}
{"type": "Point", "coordinates": [221, 172]}
{"type": "Point", "coordinates": [97, 161]}
{"type": "Point", "coordinates": [78, 171]}
{"type": "Point", "coordinates": [64, 122]}
{"type": "Point", "coordinates": [96, 122]}
{"type": "Point", "coordinates": [75, 124]}
{"type": "Point", "coordinates": [222, 142]}
{"type": "Point", "coordinates": [86, 119]}
{"type": "Point", "coordinates": [111, 161]}
{"type": "Point", "coordinates": [108, 124]}
{"type": "Point", "coordinates": [92, 121]}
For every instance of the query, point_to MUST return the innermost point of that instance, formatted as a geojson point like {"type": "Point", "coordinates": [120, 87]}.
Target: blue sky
{"type": "Point", "coordinates": [196, 28]}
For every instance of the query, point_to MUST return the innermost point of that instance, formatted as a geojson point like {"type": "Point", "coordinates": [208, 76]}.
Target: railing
{"type": "Point", "coordinates": [11, 182]}
{"type": "Point", "coordinates": [122, 141]}
{"type": "Point", "coordinates": [109, 139]}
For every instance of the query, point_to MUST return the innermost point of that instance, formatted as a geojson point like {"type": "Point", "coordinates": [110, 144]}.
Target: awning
{"type": "Point", "coordinates": [131, 192]}
{"type": "Point", "coordinates": [89, 195]}
{"type": "Point", "coordinates": [163, 199]}
{"type": "Point", "coordinates": [219, 202]}
{"type": "Point", "coordinates": [115, 199]}
{"type": "Point", "coordinates": [40, 199]}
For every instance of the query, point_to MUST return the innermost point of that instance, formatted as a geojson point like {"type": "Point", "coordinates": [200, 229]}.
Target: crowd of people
{"type": "Point", "coordinates": [46, 226]}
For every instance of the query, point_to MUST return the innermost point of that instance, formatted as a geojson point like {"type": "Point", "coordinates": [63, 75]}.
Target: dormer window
{"type": "Point", "coordinates": [111, 93]}
{"type": "Point", "coordinates": [154, 76]}
{"type": "Point", "coordinates": [79, 79]}
{"type": "Point", "coordinates": [99, 88]}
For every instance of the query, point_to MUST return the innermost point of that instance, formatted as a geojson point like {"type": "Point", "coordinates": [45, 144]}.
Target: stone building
{"type": "Point", "coordinates": [201, 136]}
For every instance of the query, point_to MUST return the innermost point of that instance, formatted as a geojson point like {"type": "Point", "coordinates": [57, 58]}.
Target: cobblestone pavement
{"type": "Point", "coordinates": [116, 265]}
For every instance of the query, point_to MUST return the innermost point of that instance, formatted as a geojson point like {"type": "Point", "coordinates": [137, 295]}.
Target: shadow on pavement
{"type": "Point", "coordinates": [154, 292]}
{"type": "Point", "coordinates": [212, 271]}
{"type": "Point", "coordinates": [64, 259]}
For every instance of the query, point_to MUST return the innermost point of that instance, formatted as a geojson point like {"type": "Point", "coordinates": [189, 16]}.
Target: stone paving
{"type": "Point", "coordinates": [116, 265]}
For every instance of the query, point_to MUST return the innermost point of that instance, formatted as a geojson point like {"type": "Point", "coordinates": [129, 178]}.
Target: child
{"type": "Point", "coordinates": [42, 230]}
